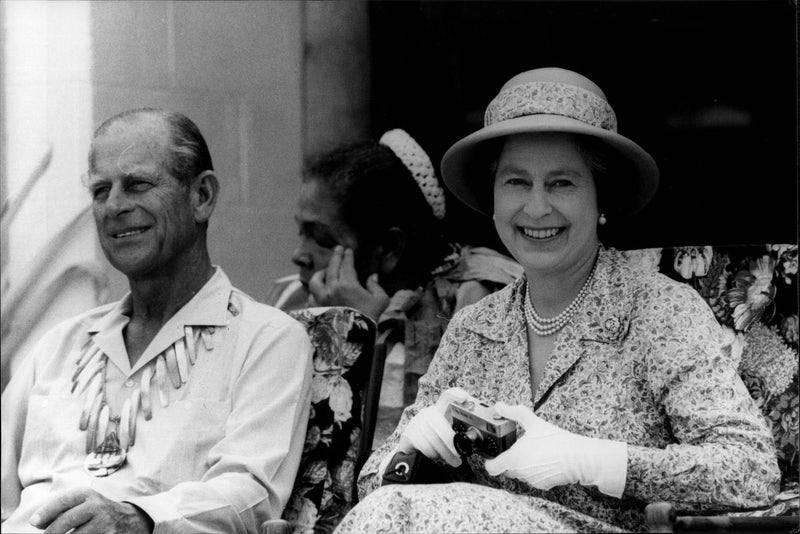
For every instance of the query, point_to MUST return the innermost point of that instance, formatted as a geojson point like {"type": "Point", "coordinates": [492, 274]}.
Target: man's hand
{"type": "Point", "coordinates": [87, 512]}
{"type": "Point", "coordinates": [338, 285]}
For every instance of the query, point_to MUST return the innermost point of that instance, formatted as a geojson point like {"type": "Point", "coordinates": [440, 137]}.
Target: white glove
{"type": "Point", "coordinates": [548, 456]}
{"type": "Point", "coordinates": [429, 431]}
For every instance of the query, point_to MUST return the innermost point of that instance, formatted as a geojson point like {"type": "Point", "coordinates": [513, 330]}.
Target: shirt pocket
{"type": "Point", "coordinates": [53, 440]}
{"type": "Point", "coordinates": [175, 445]}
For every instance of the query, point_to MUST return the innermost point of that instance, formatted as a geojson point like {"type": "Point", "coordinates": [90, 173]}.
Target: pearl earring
{"type": "Point", "coordinates": [602, 220]}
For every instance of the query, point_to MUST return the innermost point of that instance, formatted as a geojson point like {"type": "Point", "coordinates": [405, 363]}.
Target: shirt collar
{"type": "Point", "coordinates": [209, 307]}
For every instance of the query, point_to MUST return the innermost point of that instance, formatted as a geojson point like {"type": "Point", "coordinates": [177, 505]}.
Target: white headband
{"type": "Point", "coordinates": [419, 165]}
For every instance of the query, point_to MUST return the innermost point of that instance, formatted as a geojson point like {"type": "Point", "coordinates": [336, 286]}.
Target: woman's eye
{"type": "Point", "coordinates": [560, 183]}
{"type": "Point", "coordinates": [514, 181]}
{"type": "Point", "coordinates": [325, 241]}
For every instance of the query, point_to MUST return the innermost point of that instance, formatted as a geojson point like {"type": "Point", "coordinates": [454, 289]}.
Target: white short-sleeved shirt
{"type": "Point", "coordinates": [221, 457]}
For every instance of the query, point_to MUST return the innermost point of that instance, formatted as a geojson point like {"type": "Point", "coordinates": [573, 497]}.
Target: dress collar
{"type": "Point", "coordinates": [603, 316]}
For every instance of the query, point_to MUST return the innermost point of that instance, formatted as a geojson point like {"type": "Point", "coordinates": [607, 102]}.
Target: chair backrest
{"type": "Point", "coordinates": [371, 403]}
{"type": "Point", "coordinates": [343, 340]}
{"type": "Point", "coordinates": [752, 290]}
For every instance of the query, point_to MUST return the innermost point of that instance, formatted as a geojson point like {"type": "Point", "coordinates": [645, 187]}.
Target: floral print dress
{"type": "Point", "coordinates": [644, 361]}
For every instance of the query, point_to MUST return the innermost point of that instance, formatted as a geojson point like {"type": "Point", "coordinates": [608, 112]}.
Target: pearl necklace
{"type": "Point", "coordinates": [545, 327]}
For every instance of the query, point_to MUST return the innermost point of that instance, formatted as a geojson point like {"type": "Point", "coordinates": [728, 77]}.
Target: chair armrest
{"type": "Point", "coordinates": [662, 517]}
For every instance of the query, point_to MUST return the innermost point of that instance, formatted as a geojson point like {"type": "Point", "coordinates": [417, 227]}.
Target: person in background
{"type": "Point", "coordinates": [180, 408]}
{"type": "Point", "coordinates": [370, 226]}
{"type": "Point", "coordinates": [620, 381]}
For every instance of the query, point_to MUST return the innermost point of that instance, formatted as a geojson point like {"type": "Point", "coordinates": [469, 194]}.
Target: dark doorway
{"type": "Point", "coordinates": [708, 88]}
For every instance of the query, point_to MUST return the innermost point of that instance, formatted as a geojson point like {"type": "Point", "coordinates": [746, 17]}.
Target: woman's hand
{"type": "Point", "coordinates": [430, 432]}
{"type": "Point", "coordinates": [338, 285]}
{"type": "Point", "coordinates": [548, 456]}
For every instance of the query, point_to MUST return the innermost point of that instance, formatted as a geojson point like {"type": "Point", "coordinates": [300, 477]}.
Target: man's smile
{"type": "Point", "coordinates": [129, 232]}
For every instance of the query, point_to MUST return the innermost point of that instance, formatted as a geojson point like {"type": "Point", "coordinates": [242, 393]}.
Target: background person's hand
{"type": "Point", "coordinates": [338, 285]}
{"type": "Point", "coordinates": [87, 512]}
{"type": "Point", "coordinates": [548, 456]}
{"type": "Point", "coordinates": [430, 432]}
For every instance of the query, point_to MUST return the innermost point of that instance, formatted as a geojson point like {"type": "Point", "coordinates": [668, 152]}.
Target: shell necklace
{"type": "Point", "coordinates": [547, 326]}
{"type": "Point", "coordinates": [106, 452]}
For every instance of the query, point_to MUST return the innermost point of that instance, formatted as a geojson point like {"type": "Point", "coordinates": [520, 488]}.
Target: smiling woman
{"type": "Point", "coordinates": [545, 203]}
{"type": "Point", "coordinates": [621, 380]}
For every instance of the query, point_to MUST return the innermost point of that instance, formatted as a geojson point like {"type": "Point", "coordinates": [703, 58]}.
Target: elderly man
{"type": "Point", "coordinates": [180, 408]}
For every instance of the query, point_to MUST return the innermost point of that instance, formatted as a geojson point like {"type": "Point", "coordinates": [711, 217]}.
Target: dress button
{"type": "Point", "coordinates": [129, 383]}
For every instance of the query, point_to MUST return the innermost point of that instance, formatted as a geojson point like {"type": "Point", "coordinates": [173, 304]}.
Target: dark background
{"type": "Point", "coordinates": [708, 88]}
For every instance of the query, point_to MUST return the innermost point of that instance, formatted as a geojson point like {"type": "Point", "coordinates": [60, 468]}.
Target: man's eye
{"type": "Point", "coordinates": [560, 183]}
{"type": "Point", "coordinates": [138, 186]}
{"type": "Point", "coordinates": [100, 192]}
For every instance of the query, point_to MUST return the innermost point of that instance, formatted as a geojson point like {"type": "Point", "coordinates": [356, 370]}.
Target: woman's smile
{"type": "Point", "coordinates": [541, 234]}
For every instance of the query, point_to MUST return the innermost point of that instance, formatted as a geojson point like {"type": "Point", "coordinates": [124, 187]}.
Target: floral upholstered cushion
{"type": "Point", "coordinates": [343, 341]}
{"type": "Point", "coordinates": [752, 290]}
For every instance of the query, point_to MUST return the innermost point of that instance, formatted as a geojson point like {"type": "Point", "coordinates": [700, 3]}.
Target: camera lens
{"type": "Point", "coordinates": [464, 441]}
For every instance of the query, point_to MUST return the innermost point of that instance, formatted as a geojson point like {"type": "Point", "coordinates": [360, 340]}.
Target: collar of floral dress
{"type": "Point", "coordinates": [604, 316]}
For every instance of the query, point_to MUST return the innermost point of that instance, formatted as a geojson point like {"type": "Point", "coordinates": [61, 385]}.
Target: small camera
{"type": "Point", "coordinates": [481, 430]}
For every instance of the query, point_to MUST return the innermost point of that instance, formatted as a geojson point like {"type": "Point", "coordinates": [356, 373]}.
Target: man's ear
{"type": "Point", "coordinates": [392, 246]}
{"type": "Point", "coordinates": [204, 193]}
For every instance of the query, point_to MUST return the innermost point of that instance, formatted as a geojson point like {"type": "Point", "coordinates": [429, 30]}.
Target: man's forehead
{"type": "Point", "coordinates": [144, 129]}
{"type": "Point", "coordinates": [132, 146]}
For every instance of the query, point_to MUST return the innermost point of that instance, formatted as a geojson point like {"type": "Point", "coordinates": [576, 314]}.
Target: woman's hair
{"type": "Point", "coordinates": [375, 192]}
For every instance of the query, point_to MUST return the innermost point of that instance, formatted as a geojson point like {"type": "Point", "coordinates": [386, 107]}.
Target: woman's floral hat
{"type": "Point", "coordinates": [548, 100]}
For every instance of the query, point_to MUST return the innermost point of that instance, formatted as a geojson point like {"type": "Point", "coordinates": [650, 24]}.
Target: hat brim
{"type": "Point", "coordinates": [466, 164]}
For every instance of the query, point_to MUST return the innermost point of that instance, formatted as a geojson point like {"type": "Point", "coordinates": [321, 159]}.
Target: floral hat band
{"type": "Point", "coordinates": [551, 98]}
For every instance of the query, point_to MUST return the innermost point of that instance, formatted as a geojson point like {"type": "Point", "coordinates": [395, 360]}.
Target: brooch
{"type": "Point", "coordinates": [612, 324]}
